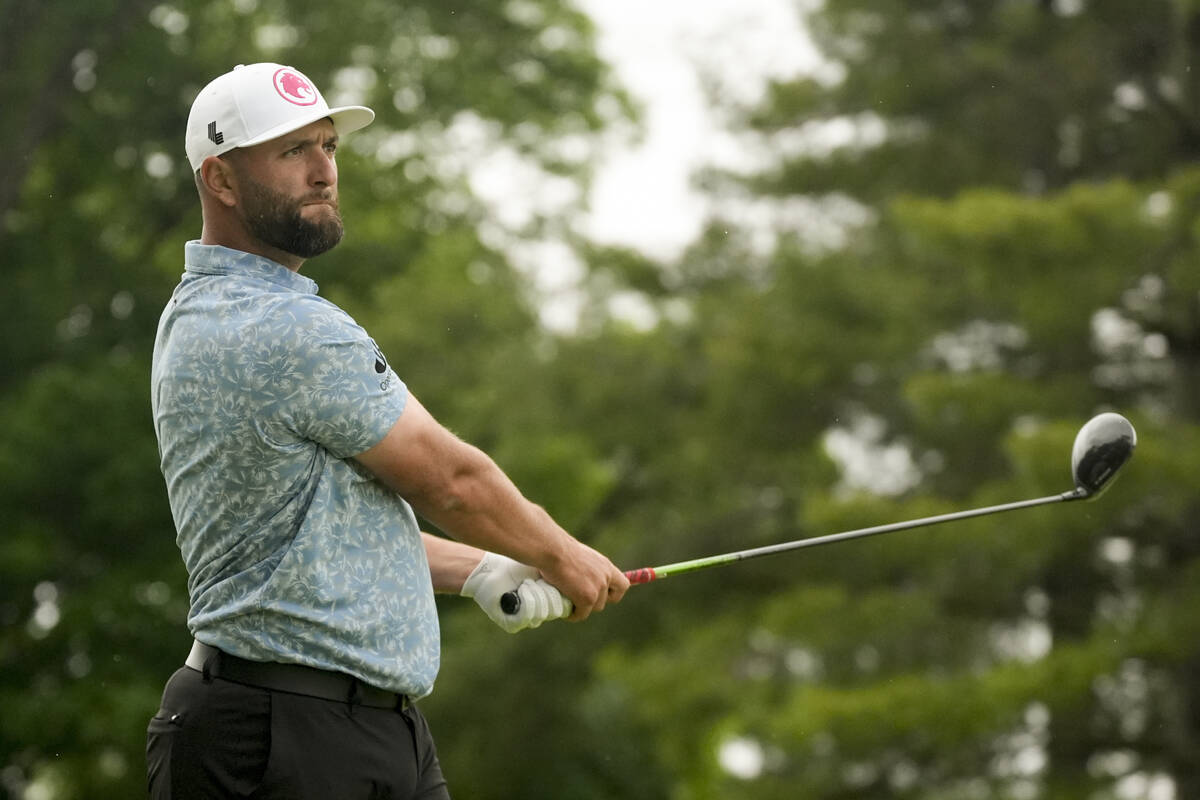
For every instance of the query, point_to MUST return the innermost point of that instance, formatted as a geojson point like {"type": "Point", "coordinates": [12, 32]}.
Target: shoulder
{"type": "Point", "coordinates": [316, 312]}
{"type": "Point", "coordinates": [326, 343]}
{"type": "Point", "coordinates": [301, 320]}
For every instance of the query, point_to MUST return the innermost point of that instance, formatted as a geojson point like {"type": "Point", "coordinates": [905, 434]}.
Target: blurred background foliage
{"type": "Point", "coordinates": [1005, 244]}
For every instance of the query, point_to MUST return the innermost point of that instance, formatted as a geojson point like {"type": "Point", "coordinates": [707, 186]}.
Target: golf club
{"type": "Point", "coordinates": [1101, 447]}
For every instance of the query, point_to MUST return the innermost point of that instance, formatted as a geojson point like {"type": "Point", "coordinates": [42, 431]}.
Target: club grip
{"type": "Point", "coordinates": [510, 603]}
{"type": "Point", "coordinates": [642, 575]}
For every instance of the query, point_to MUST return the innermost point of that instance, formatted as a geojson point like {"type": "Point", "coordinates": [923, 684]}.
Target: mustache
{"type": "Point", "coordinates": [327, 196]}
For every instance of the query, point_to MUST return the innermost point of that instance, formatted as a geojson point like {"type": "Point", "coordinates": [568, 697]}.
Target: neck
{"type": "Point", "coordinates": [240, 240]}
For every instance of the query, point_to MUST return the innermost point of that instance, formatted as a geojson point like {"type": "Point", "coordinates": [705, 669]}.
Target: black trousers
{"type": "Point", "coordinates": [215, 739]}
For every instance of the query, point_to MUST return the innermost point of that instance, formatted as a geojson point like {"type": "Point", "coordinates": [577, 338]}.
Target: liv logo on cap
{"type": "Point", "coordinates": [294, 87]}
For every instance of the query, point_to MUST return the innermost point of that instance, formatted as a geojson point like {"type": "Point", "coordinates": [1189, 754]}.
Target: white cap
{"type": "Point", "coordinates": [255, 103]}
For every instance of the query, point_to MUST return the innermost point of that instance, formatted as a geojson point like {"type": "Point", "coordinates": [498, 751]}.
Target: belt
{"type": "Point", "coordinates": [293, 678]}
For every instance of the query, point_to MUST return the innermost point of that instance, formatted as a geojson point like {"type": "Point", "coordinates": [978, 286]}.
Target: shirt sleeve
{"type": "Point", "coordinates": [348, 397]}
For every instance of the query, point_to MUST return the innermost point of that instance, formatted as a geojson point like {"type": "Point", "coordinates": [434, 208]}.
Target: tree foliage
{"type": "Point", "coordinates": [97, 203]}
{"type": "Point", "coordinates": [1030, 258]}
{"type": "Point", "coordinates": [1031, 261]}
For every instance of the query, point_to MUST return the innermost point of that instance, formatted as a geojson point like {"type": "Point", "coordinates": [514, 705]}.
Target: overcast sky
{"type": "Point", "coordinates": [659, 50]}
{"type": "Point", "coordinates": [663, 53]}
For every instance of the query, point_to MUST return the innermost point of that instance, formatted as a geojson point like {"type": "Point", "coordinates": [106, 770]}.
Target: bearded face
{"type": "Point", "coordinates": [277, 219]}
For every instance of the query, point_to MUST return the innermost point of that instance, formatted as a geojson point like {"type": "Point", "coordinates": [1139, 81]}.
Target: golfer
{"type": "Point", "coordinates": [294, 459]}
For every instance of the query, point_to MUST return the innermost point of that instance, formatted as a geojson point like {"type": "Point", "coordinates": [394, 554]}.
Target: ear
{"type": "Point", "coordinates": [219, 180]}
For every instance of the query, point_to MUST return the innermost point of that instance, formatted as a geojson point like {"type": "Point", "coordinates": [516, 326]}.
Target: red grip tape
{"type": "Point", "coordinates": [643, 575]}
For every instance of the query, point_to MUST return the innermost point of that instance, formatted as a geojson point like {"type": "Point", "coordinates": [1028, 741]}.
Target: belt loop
{"type": "Point", "coordinates": [354, 696]}
{"type": "Point", "coordinates": [207, 671]}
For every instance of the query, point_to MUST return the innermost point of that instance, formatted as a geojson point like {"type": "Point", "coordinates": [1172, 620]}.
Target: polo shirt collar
{"type": "Point", "coordinates": [213, 259]}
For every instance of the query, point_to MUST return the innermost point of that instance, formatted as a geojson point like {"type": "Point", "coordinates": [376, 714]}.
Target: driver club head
{"type": "Point", "coordinates": [1102, 446]}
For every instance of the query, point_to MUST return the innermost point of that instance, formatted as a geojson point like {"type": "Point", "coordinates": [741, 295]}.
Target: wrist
{"type": "Point", "coordinates": [450, 563]}
{"type": "Point", "coordinates": [555, 556]}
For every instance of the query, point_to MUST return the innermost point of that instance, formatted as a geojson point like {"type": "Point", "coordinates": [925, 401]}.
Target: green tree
{"type": "Point", "coordinates": [943, 663]}
{"type": "Point", "coordinates": [1028, 95]}
{"type": "Point", "coordinates": [96, 204]}
{"type": "Point", "coordinates": [1031, 260]}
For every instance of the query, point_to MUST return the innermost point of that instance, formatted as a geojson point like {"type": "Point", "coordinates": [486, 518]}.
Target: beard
{"type": "Point", "coordinates": [274, 219]}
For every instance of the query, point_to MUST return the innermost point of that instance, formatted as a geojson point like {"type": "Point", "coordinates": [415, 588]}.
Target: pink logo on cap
{"type": "Point", "coordinates": [294, 87]}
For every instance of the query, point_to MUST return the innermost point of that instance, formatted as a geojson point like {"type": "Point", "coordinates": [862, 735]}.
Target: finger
{"type": "Point", "coordinates": [601, 597]}
{"type": "Point", "coordinates": [562, 606]}
{"type": "Point", "coordinates": [511, 623]}
{"type": "Point", "coordinates": [529, 612]}
{"type": "Point", "coordinates": [583, 609]}
{"type": "Point", "coordinates": [617, 586]}
{"type": "Point", "coordinates": [541, 604]}
{"type": "Point", "coordinates": [555, 604]}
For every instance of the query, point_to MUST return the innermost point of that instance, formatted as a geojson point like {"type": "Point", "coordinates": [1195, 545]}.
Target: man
{"type": "Point", "coordinates": [294, 458]}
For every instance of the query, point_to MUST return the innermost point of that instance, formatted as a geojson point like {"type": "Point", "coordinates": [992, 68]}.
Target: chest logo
{"type": "Point", "coordinates": [381, 363]}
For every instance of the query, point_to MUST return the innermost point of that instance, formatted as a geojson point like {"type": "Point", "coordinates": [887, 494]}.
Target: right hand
{"type": "Point", "coordinates": [588, 579]}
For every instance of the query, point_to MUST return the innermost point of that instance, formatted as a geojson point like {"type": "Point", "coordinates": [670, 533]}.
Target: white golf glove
{"type": "Point", "coordinates": [496, 575]}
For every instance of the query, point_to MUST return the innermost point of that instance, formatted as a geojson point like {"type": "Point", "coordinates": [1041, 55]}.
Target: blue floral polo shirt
{"type": "Point", "coordinates": [262, 393]}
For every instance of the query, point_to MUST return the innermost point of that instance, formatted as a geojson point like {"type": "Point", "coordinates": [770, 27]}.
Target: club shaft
{"type": "Point", "coordinates": [511, 601]}
{"type": "Point", "coordinates": [647, 574]}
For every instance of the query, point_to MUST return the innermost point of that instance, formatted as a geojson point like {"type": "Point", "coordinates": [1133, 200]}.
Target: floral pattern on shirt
{"type": "Point", "coordinates": [262, 392]}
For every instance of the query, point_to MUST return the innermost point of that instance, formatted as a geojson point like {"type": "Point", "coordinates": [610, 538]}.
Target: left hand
{"type": "Point", "coordinates": [495, 575]}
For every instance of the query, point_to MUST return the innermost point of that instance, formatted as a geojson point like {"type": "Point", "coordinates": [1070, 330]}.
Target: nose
{"type": "Point", "coordinates": [322, 168]}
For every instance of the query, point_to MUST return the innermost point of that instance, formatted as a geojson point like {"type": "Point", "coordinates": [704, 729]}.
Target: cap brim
{"type": "Point", "coordinates": [346, 119]}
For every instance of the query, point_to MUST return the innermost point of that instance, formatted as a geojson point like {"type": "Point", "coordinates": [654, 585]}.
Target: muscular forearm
{"type": "Point", "coordinates": [477, 504]}
{"type": "Point", "coordinates": [460, 489]}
